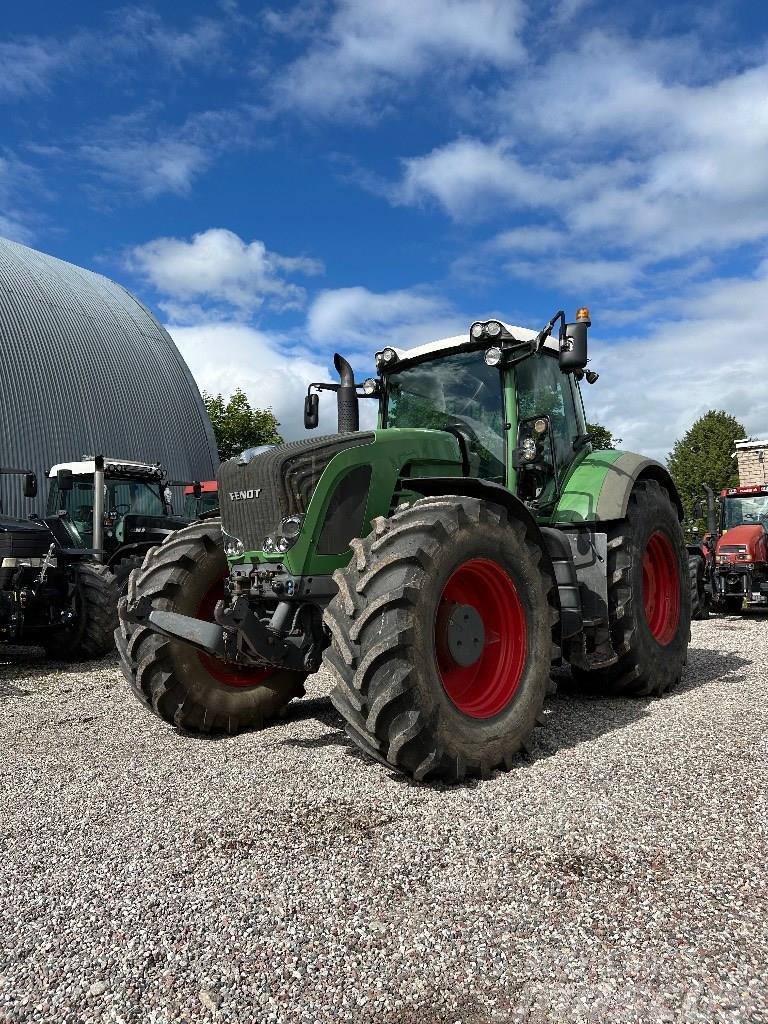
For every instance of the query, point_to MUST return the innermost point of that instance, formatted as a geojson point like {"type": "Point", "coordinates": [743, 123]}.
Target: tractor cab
{"type": "Point", "coordinates": [504, 394]}
{"type": "Point", "coordinates": [119, 507]}
{"type": "Point", "coordinates": [131, 489]}
{"type": "Point", "coordinates": [742, 547]}
{"type": "Point", "coordinates": [201, 499]}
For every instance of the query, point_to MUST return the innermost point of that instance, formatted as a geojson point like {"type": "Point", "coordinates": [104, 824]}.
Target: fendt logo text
{"type": "Point", "coordinates": [244, 495]}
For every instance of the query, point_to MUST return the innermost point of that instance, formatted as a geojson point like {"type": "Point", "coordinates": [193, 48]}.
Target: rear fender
{"type": "Point", "coordinates": [598, 489]}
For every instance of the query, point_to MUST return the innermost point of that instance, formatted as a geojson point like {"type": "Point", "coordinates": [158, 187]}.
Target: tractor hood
{"type": "Point", "coordinates": [744, 540]}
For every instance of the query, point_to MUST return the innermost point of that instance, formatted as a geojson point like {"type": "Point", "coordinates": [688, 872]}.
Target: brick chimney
{"type": "Point", "coordinates": [752, 457]}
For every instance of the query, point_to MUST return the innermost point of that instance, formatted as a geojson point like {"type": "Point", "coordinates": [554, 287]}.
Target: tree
{"type": "Point", "coordinates": [602, 438]}
{"type": "Point", "coordinates": [705, 455]}
{"type": "Point", "coordinates": [237, 426]}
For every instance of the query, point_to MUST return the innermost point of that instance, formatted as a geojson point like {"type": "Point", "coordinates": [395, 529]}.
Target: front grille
{"type": "Point", "coordinates": [278, 483]}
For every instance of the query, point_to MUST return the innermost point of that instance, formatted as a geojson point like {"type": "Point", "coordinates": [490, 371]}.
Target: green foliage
{"type": "Point", "coordinates": [704, 455]}
{"type": "Point", "coordinates": [237, 426]}
{"type": "Point", "coordinates": [602, 438]}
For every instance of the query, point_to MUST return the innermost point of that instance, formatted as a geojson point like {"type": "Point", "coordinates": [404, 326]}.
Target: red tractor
{"type": "Point", "coordinates": [731, 564]}
{"type": "Point", "coordinates": [741, 552]}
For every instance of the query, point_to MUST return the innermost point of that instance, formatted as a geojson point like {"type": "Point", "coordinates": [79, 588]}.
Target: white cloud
{"type": "Point", "coordinates": [29, 64]}
{"type": "Point", "coordinates": [226, 356]}
{"type": "Point", "coordinates": [657, 165]}
{"type": "Point", "coordinates": [371, 45]}
{"type": "Point", "coordinates": [651, 389]}
{"type": "Point", "coordinates": [218, 266]}
{"type": "Point", "coordinates": [365, 321]}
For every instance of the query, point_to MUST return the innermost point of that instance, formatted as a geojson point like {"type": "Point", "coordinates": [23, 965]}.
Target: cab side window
{"type": "Point", "coordinates": [542, 390]}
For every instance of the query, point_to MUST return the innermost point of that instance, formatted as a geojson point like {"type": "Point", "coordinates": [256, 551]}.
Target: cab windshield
{"type": "Point", "coordinates": [749, 510]}
{"type": "Point", "coordinates": [457, 392]}
{"type": "Point", "coordinates": [120, 498]}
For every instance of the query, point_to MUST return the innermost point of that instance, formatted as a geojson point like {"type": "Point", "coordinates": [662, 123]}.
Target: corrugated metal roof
{"type": "Point", "coordinates": [86, 368]}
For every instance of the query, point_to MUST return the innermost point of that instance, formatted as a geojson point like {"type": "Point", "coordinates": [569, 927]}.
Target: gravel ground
{"type": "Point", "coordinates": [617, 875]}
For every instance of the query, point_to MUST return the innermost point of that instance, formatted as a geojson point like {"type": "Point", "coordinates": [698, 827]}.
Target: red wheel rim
{"type": "Point", "coordinates": [661, 588]}
{"type": "Point", "coordinates": [222, 671]}
{"type": "Point", "coordinates": [485, 688]}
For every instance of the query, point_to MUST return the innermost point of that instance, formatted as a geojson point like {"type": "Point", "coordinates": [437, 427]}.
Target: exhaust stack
{"type": "Point", "coordinates": [346, 397]}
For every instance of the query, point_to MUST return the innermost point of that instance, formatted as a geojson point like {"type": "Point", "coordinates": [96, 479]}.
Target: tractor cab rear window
{"type": "Point", "coordinates": [459, 392]}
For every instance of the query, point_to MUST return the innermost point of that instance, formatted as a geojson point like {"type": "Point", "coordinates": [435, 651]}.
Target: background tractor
{"type": "Point", "coordinates": [119, 507]}
{"type": "Point", "coordinates": [440, 564]}
{"type": "Point", "coordinates": [52, 592]}
{"type": "Point", "coordinates": [731, 567]}
{"type": "Point", "coordinates": [201, 499]}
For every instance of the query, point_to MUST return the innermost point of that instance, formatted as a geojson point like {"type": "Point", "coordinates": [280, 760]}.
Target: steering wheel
{"type": "Point", "coordinates": [116, 509]}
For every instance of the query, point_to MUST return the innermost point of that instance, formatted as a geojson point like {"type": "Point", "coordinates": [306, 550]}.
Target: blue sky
{"type": "Point", "coordinates": [281, 180]}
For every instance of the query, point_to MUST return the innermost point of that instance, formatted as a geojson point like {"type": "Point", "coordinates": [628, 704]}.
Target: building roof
{"type": "Point", "coordinates": [85, 367]}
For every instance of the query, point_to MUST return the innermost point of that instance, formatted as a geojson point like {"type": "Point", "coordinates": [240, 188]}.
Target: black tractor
{"type": "Point", "coordinates": [119, 507]}
{"type": "Point", "coordinates": [53, 593]}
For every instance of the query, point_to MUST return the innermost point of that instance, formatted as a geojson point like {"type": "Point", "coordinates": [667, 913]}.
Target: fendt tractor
{"type": "Point", "coordinates": [440, 564]}
{"type": "Point", "coordinates": [120, 507]}
{"type": "Point", "coordinates": [733, 565]}
{"type": "Point", "coordinates": [52, 592]}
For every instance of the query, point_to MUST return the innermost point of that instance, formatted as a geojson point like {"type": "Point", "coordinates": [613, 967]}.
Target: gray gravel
{"type": "Point", "coordinates": [619, 875]}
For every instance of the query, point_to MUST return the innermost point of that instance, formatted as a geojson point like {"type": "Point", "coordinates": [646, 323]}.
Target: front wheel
{"type": "Point", "coordinates": [649, 598]}
{"type": "Point", "coordinates": [188, 688]}
{"type": "Point", "coordinates": [94, 605]}
{"type": "Point", "coordinates": [701, 601]}
{"type": "Point", "coordinates": [442, 638]}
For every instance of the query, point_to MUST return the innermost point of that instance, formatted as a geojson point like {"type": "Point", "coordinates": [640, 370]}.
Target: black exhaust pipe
{"type": "Point", "coordinates": [711, 511]}
{"type": "Point", "coordinates": [346, 397]}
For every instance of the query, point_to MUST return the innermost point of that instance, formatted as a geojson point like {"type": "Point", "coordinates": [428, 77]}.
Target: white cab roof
{"type": "Point", "coordinates": [444, 344]}
{"type": "Point", "coordinates": [87, 467]}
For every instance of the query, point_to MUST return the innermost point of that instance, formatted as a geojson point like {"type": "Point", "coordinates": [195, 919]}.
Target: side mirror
{"type": "Point", "coordinates": [64, 480]}
{"type": "Point", "coordinates": [573, 346]}
{"type": "Point", "coordinates": [197, 489]}
{"type": "Point", "coordinates": [311, 411]}
{"type": "Point", "coordinates": [30, 485]}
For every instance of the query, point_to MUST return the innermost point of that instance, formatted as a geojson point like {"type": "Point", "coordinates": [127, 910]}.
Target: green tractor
{"type": "Point", "coordinates": [439, 565]}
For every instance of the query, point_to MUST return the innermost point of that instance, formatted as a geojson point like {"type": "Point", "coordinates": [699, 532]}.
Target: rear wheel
{"type": "Point", "coordinates": [649, 597]}
{"type": "Point", "coordinates": [186, 687]}
{"type": "Point", "coordinates": [442, 638]}
{"type": "Point", "coordinates": [700, 598]}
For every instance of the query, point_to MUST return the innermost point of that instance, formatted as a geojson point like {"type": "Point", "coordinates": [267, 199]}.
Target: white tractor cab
{"type": "Point", "coordinates": [119, 507]}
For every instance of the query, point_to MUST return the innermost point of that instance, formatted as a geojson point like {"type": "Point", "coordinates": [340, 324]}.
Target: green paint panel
{"type": "Point", "coordinates": [419, 452]}
{"type": "Point", "coordinates": [581, 493]}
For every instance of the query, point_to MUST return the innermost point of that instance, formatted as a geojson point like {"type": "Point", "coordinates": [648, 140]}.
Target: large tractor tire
{"type": "Point", "coordinates": [187, 688]}
{"type": "Point", "coordinates": [700, 598]}
{"type": "Point", "coordinates": [442, 639]}
{"type": "Point", "coordinates": [649, 598]}
{"type": "Point", "coordinates": [92, 632]}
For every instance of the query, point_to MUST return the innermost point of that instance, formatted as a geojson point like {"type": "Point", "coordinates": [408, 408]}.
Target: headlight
{"type": "Point", "coordinates": [386, 357]}
{"type": "Point", "coordinates": [528, 449]}
{"type": "Point", "coordinates": [477, 330]}
{"type": "Point", "coordinates": [291, 527]}
{"type": "Point", "coordinates": [233, 546]}
{"type": "Point", "coordinates": [269, 544]}
{"type": "Point", "coordinates": [493, 328]}
{"type": "Point", "coordinates": [370, 386]}
{"type": "Point", "coordinates": [493, 356]}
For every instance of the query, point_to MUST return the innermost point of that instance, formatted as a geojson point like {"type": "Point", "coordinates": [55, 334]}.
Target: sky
{"type": "Point", "coordinates": [281, 181]}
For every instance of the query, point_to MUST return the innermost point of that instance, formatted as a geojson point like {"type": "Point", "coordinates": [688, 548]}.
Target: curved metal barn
{"type": "Point", "coordinates": [86, 369]}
